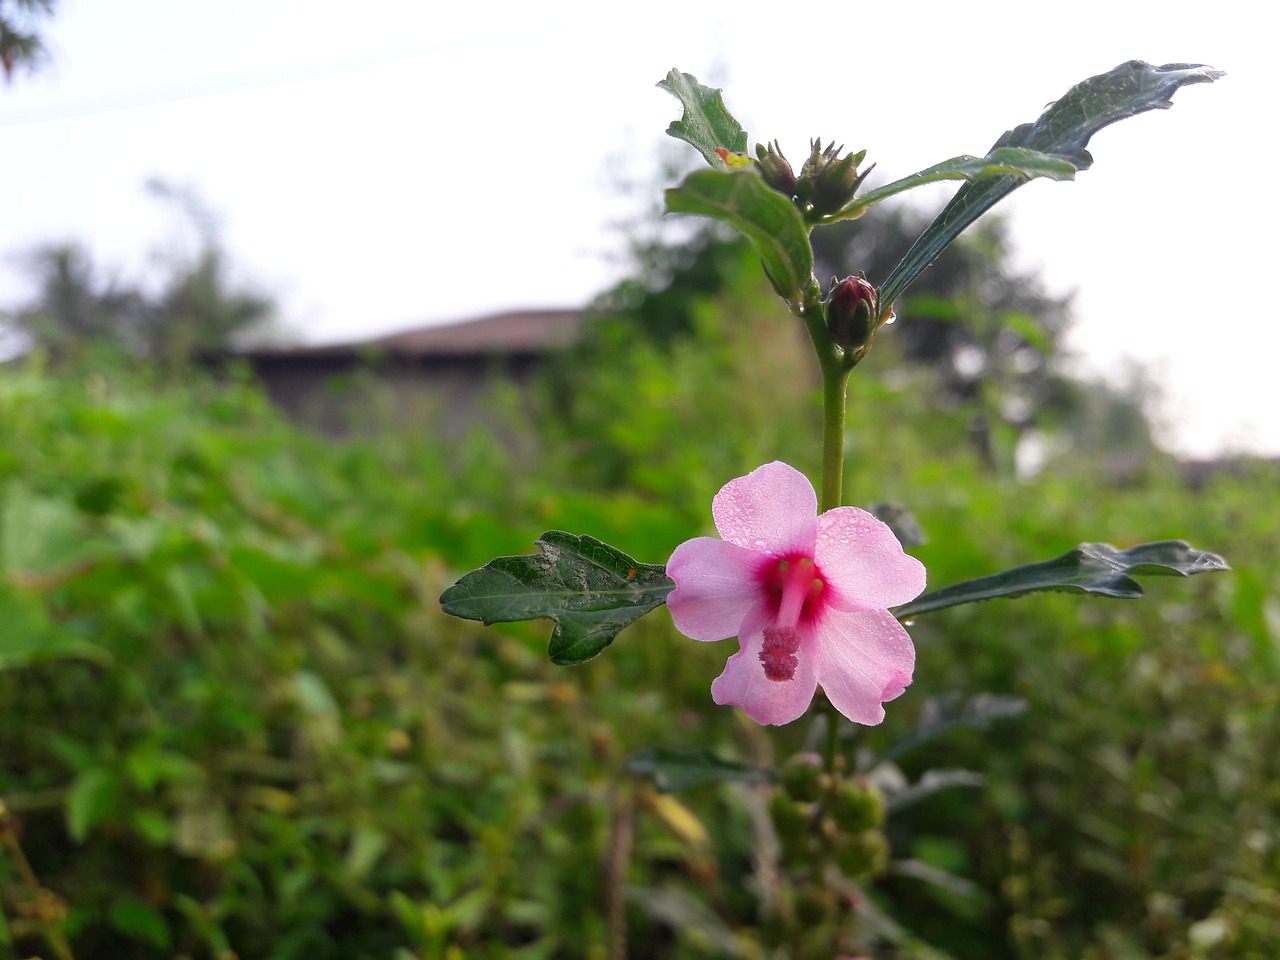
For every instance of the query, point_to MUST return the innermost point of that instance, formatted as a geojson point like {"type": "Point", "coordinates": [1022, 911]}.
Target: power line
{"type": "Point", "coordinates": [157, 95]}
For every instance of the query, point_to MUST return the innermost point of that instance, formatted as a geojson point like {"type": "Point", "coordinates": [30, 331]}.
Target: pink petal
{"type": "Point", "coordinates": [715, 588]}
{"type": "Point", "coordinates": [773, 510]}
{"type": "Point", "coordinates": [743, 683]}
{"type": "Point", "coordinates": [863, 561]}
{"type": "Point", "coordinates": [862, 659]}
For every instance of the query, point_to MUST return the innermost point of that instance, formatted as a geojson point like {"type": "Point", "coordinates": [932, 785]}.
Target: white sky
{"type": "Point", "coordinates": [398, 165]}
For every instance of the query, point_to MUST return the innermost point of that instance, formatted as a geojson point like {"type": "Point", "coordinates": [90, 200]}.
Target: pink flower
{"type": "Point", "coordinates": [807, 597]}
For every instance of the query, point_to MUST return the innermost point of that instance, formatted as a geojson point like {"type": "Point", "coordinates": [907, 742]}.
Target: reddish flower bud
{"type": "Point", "coordinates": [776, 169]}
{"type": "Point", "coordinates": [851, 312]}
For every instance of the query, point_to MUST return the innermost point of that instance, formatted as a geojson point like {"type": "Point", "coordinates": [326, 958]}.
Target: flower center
{"type": "Point", "coordinates": [798, 587]}
{"type": "Point", "coordinates": [778, 654]}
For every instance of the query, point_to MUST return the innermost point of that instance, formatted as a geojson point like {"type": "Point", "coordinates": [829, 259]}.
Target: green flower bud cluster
{"type": "Point", "coordinates": [776, 170]}
{"type": "Point", "coordinates": [827, 182]}
{"type": "Point", "coordinates": [822, 818]}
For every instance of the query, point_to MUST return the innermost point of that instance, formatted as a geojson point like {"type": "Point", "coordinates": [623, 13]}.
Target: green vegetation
{"type": "Point", "coordinates": [235, 722]}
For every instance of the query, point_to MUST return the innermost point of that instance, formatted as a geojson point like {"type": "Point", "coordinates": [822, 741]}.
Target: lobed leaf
{"type": "Point", "coordinates": [1062, 131]}
{"type": "Point", "coordinates": [944, 880]}
{"type": "Point", "coordinates": [933, 781]}
{"type": "Point", "coordinates": [770, 221]}
{"type": "Point", "coordinates": [940, 715]}
{"type": "Point", "coordinates": [706, 123]}
{"type": "Point", "coordinates": [590, 589]}
{"type": "Point", "coordinates": [1090, 568]}
{"type": "Point", "coordinates": [674, 770]}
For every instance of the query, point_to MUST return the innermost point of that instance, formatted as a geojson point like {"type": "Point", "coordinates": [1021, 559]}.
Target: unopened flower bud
{"type": "Point", "coordinates": [791, 822]}
{"type": "Point", "coordinates": [827, 180]}
{"type": "Point", "coordinates": [837, 182]}
{"type": "Point", "coordinates": [862, 854]}
{"type": "Point", "coordinates": [802, 777]}
{"type": "Point", "coordinates": [851, 312]}
{"type": "Point", "coordinates": [819, 158]}
{"type": "Point", "coordinates": [857, 806]}
{"type": "Point", "coordinates": [776, 169]}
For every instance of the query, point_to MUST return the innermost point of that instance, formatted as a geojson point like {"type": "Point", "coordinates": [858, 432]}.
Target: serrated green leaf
{"type": "Point", "coordinates": [942, 879]}
{"type": "Point", "coordinates": [933, 781]}
{"type": "Point", "coordinates": [1000, 162]}
{"type": "Point", "coordinates": [706, 123]}
{"type": "Point", "coordinates": [590, 589]}
{"type": "Point", "coordinates": [940, 715]}
{"type": "Point", "coordinates": [1090, 568]}
{"type": "Point", "coordinates": [770, 221]}
{"type": "Point", "coordinates": [1062, 131]}
{"type": "Point", "coordinates": [674, 770]}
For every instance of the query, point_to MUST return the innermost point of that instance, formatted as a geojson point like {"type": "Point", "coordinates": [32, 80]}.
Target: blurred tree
{"type": "Point", "coordinates": [989, 335]}
{"type": "Point", "coordinates": [20, 43]}
{"type": "Point", "coordinates": [195, 307]}
{"type": "Point", "coordinates": [669, 280]}
{"type": "Point", "coordinates": [198, 309]}
{"type": "Point", "coordinates": [74, 305]}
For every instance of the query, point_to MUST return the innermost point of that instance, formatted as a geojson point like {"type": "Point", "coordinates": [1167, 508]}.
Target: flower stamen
{"type": "Point", "coordinates": [778, 653]}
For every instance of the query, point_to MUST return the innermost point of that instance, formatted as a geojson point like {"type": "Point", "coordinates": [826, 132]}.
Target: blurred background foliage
{"type": "Point", "coordinates": [21, 46]}
{"type": "Point", "coordinates": [192, 304]}
{"type": "Point", "coordinates": [234, 722]}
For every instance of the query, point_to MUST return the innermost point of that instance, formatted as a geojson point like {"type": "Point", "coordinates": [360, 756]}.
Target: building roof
{"type": "Point", "coordinates": [512, 332]}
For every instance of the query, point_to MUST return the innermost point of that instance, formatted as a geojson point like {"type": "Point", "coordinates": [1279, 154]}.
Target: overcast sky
{"type": "Point", "coordinates": [381, 166]}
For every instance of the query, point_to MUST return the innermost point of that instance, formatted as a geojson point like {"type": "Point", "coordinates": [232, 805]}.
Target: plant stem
{"type": "Point", "coordinates": [835, 378]}
{"type": "Point", "coordinates": [48, 909]}
{"type": "Point", "coordinates": [835, 366]}
{"type": "Point", "coordinates": [622, 830]}
{"type": "Point", "coordinates": [832, 747]}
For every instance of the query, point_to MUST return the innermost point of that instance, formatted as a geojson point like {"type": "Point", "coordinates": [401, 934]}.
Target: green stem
{"type": "Point", "coordinates": [832, 747]}
{"type": "Point", "coordinates": [835, 378]}
{"type": "Point", "coordinates": [835, 366]}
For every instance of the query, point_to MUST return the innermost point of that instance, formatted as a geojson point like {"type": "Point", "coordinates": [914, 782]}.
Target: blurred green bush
{"type": "Point", "coordinates": [234, 723]}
